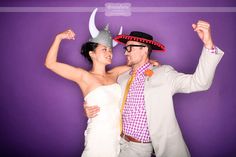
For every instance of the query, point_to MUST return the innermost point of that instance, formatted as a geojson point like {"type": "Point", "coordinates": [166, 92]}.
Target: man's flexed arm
{"type": "Point", "coordinates": [203, 30]}
{"type": "Point", "coordinates": [204, 73]}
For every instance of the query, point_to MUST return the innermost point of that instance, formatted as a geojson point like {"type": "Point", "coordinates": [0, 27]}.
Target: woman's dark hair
{"type": "Point", "coordinates": [86, 47]}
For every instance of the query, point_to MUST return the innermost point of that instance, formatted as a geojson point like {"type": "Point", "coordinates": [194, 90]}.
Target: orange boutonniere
{"type": "Point", "coordinates": [148, 72]}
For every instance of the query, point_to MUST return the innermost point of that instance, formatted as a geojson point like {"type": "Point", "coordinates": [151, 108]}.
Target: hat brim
{"type": "Point", "coordinates": [156, 46]}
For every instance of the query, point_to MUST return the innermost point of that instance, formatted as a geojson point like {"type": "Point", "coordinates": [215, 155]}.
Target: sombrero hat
{"type": "Point", "coordinates": [142, 38]}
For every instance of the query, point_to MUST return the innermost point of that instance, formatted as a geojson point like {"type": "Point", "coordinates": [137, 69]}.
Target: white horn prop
{"type": "Point", "coordinates": [114, 43]}
{"type": "Point", "coordinates": [92, 27]}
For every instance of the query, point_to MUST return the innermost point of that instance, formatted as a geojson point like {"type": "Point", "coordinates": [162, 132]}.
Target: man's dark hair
{"type": "Point", "coordinates": [149, 50]}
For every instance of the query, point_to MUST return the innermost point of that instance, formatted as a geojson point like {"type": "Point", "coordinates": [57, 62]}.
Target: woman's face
{"type": "Point", "coordinates": [102, 54]}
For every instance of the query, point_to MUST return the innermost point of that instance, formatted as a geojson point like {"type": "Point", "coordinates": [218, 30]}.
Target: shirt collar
{"type": "Point", "coordinates": [141, 69]}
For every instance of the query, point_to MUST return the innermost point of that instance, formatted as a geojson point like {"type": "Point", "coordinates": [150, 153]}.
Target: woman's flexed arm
{"type": "Point", "coordinates": [64, 70]}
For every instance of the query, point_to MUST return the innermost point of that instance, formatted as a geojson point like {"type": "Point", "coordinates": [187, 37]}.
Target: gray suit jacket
{"type": "Point", "coordinates": [164, 130]}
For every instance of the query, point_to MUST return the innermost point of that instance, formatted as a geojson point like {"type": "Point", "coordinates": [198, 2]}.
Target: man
{"type": "Point", "coordinates": [148, 117]}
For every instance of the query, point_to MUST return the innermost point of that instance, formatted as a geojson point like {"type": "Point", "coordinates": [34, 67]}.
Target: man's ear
{"type": "Point", "coordinates": [146, 50]}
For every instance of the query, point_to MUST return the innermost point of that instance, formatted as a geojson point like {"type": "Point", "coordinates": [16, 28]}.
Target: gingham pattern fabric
{"type": "Point", "coordinates": [134, 114]}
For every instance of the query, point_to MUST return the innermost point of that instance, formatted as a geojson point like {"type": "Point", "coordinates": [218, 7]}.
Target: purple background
{"type": "Point", "coordinates": [41, 114]}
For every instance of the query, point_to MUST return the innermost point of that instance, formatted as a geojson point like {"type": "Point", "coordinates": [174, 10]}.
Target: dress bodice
{"type": "Point", "coordinates": [107, 97]}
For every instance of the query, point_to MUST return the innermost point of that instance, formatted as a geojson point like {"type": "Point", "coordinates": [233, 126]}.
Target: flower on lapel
{"type": "Point", "coordinates": [148, 72]}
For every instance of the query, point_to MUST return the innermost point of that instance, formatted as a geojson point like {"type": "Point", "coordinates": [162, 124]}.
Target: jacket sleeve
{"type": "Point", "coordinates": [202, 77]}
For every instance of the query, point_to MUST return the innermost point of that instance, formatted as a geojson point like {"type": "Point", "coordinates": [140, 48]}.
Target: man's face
{"type": "Point", "coordinates": [135, 52]}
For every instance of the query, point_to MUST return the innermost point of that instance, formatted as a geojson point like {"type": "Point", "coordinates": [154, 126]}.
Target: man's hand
{"type": "Point", "coordinates": [204, 32]}
{"type": "Point", "coordinates": [91, 111]}
{"type": "Point", "coordinates": [154, 62]}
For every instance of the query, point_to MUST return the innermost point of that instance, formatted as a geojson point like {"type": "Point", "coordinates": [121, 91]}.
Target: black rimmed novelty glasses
{"type": "Point", "coordinates": [128, 48]}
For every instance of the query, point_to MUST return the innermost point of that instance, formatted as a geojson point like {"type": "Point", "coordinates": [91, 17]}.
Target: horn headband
{"type": "Point", "coordinates": [101, 37]}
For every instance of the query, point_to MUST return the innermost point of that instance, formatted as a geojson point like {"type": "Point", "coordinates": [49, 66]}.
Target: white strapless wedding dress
{"type": "Point", "coordinates": [102, 135]}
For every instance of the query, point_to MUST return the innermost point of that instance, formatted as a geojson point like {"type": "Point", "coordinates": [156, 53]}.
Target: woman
{"type": "Point", "coordinates": [99, 87]}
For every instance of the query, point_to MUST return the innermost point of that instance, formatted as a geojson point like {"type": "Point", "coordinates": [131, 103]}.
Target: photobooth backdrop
{"type": "Point", "coordinates": [41, 114]}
